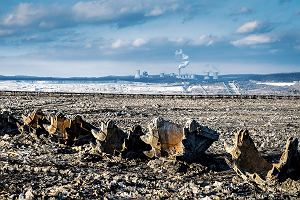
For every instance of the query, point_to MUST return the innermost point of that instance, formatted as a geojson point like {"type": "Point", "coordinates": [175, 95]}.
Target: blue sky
{"type": "Point", "coordinates": [103, 37]}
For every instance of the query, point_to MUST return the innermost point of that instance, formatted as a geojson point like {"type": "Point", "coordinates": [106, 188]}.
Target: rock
{"type": "Point", "coordinates": [111, 138]}
{"type": "Point", "coordinates": [135, 147]}
{"type": "Point", "coordinates": [171, 140]}
{"type": "Point", "coordinates": [251, 166]}
{"type": "Point", "coordinates": [8, 124]}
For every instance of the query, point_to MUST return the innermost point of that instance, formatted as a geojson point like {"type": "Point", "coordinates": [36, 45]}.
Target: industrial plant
{"type": "Point", "coordinates": [211, 75]}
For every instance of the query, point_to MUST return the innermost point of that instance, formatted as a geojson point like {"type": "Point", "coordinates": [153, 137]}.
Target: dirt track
{"type": "Point", "coordinates": [45, 170]}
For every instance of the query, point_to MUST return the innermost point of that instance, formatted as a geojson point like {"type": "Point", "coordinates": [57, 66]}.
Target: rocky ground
{"type": "Point", "coordinates": [43, 169]}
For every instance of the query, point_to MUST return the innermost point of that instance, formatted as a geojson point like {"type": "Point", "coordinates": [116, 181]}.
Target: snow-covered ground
{"type": "Point", "coordinates": [279, 84]}
{"type": "Point", "coordinates": [145, 88]}
{"type": "Point", "coordinates": [94, 87]}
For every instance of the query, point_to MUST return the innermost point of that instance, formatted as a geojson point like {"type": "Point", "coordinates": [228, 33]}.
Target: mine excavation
{"type": "Point", "coordinates": [97, 147]}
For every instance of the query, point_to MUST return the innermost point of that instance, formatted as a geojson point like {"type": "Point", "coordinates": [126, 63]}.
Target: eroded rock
{"type": "Point", "coordinates": [197, 139]}
{"type": "Point", "coordinates": [71, 131]}
{"type": "Point", "coordinates": [165, 137]}
{"type": "Point", "coordinates": [61, 129]}
{"type": "Point", "coordinates": [8, 124]}
{"type": "Point", "coordinates": [135, 147]}
{"type": "Point", "coordinates": [251, 166]}
{"type": "Point", "coordinates": [171, 140]}
{"type": "Point", "coordinates": [111, 138]}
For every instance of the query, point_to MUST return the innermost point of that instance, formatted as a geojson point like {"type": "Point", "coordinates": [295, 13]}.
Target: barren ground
{"type": "Point", "coordinates": [47, 171]}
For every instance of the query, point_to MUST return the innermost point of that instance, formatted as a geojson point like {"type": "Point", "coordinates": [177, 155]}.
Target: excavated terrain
{"type": "Point", "coordinates": [31, 168]}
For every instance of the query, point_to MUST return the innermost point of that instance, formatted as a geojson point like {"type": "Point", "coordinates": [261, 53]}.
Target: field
{"type": "Point", "coordinates": [44, 169]}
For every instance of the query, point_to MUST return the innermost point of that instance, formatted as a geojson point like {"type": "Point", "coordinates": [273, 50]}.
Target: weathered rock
{"type": "Point", "coordinates": [71, 131]}
{"type": "Point", "coordinates": [135, 147]}
{"type": "Point", "coordinates": [34, 123]}
{"type": "Point", "coordinates": [197, 139]}
{"type": "Point", "coordinates": [111, 138]}
{"type": "Point", "coordinates": [251, 166]}
{"type": "Point", "coordinates": [35, 119]}
{"type": "Point", "coordinates": [289, 164]}
{"type": "Point", "coordinates": [165, 137]}
{"type": "Point", "coordinates": [171, 140]}
{"type": "Point", "coordinates": [59, 125]}
{"type": "Point", "coordinates": [8, 124]}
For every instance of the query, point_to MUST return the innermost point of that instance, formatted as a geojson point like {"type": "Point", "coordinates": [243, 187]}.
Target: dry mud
{"type": "Point", "coordinates": [32, 169]}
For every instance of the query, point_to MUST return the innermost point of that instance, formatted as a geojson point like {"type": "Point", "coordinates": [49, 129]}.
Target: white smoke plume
{"type": "Point", "coordinates": [183, 57]}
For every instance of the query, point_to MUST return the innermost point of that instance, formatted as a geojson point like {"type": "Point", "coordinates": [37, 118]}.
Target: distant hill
{"type": "Point", "coordinates": [278, 77]}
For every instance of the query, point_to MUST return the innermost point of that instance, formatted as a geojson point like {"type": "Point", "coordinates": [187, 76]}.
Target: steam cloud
{"type": "Point", "coordinates": [184, 59]}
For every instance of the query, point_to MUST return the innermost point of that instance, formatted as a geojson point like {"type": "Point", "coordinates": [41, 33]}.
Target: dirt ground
{"type": "Point", "coordinates": [43, 169]}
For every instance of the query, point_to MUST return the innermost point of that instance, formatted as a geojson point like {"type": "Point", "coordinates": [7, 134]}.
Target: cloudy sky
{"type": "Point", "coordinates": [103, 37]}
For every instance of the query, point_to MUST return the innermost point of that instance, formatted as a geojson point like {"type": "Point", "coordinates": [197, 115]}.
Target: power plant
{"type": "Point", "coordinates": [184, 61]}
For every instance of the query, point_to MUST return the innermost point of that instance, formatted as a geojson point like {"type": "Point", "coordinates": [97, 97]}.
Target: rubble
{"type": "Point", "coordinates": [164, 138]}
{"type": "Point", "coordinates": [249, 164]}
{"type": "Point", "coordinates": [34, 123]}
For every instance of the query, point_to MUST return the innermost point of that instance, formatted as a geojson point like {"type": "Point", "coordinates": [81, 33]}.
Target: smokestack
{"type": "Point", "coordinates": [184, 60]}
{"type": "Point", "coordinates": [216, 75]}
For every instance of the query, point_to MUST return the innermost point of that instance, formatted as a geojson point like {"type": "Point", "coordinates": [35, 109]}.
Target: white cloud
{"type": "Point", "coordinates": [139, 42]}
{"type": "Point", "coordinates": [5, 32]}
{"type": "Point", "coordinates": [206, 40]}
{"type": "Point", "coordinates": [156, 11]}
{"type": "Point", "coordinates": [177, 40]}
{"type": "Point", "coordinates": [24, 14]}
{"type": "Point", "coordinates": [94, 9]}
{"type": "Point", "coordinates": [110, 10]}
{"type": "Point", "coordinates": [254, 39]}
{"type": "Point", "coordinates": [119, 43]}
{"type": "Point", "coordinates": [248, 27]}
{"type": "Point", "coordinates": [31, 16]}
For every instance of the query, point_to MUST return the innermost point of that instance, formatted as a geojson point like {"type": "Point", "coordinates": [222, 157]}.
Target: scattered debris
{"type": "Point", "coordinates": [251, 166]}
{"type": "Point", "coordinates": [47, 170]}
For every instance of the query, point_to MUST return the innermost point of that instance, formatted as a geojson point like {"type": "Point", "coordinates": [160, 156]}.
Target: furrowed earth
{"type": "Point", "coordinates": [36, 169]}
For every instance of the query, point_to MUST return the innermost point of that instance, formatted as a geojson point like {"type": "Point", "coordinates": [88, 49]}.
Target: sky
{"type": "Point", "coordinates": [117, 37]}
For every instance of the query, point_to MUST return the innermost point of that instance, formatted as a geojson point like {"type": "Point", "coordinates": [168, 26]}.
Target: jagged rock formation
{"type": "Point", "coordinates": [197, 139]}
{"type": "Point", "coordinates": [171, 140]}
{"type": "Point", "coordinates": [135, 147]}
{"type": "Point", "coordinates": [251, 166]}
{"type": "Point", "coordinates": [111, 138]}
